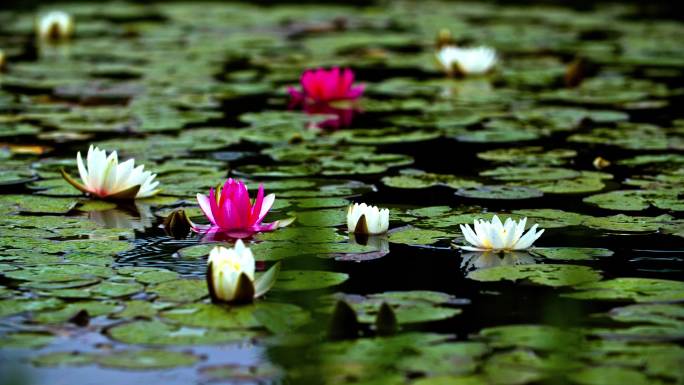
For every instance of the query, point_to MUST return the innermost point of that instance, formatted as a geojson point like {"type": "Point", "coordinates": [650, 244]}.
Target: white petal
{"type": "Point", "coordinates": [469, 235]}
{"type": "Point", "coordinates": [528, 239]}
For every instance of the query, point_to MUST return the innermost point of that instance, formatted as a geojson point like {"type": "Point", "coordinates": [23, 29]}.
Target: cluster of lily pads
{"type": "Point", "coordinates": [573, 138]}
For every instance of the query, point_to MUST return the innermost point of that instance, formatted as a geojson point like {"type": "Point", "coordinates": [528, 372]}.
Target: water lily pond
{"type": "Point", "coordinates": [443, 113]}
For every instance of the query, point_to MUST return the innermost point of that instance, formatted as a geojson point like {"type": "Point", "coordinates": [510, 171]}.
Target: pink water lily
{"type": "Point", "coordinates": [324, 86]}
{"type": "Point", "coordinates": [231, 212]}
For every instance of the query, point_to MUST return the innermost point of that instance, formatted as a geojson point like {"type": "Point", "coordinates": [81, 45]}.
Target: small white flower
{"type": "Point", "coordinates": [364, 219]}
{"type": "Point", "coordinates": [104, 177]}
{"type": "Point", "coordinates": [495, 235]}
{"type": "Point", "coordinates": [467, 61]}
{"type": "Point", "coordinates": [226, 266]}
{"type": "Point", "coordinates": [231, 275]}
{"type": "Point", "coordinates": [55, 25]}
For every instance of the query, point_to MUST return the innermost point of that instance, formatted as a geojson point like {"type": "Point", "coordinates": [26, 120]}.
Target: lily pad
{"type": "Point", "coordinates": [292, 280]}
{"type": "Point", "coordinates": [547, 274]}
{"type": "Point", "coordinates": [635, 289]}
{"type": "Point", "coordinates": [159, 333]}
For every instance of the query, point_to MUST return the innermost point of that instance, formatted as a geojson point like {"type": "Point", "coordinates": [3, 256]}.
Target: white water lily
{"type": "Point", "coordinates": [55, 25]}
{"type": "Point", "coordinates": [104, 177]}
{"type": "Point", "coordinates": [495, 235]}
{"type": "Point", "coordinates": [467, 61]}
{"type": "Point", "coordinates": [365, 219]}
{"type": "Point", "coordinates": [231, 274]}
{"type": "Point", "coordinates": [226, 267]}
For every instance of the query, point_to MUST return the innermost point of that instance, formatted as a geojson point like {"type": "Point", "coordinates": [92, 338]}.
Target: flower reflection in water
{"type": "Point", "coordinates": [375, 246]}
{"type": "Point", "coordinates": [135, 216]}
{"type": "Point", "coordinates": [477, 260]}
{"type": "Point", "coordinates": [333, 115]}
{"type": "Point", "coordinates": [327, 93]}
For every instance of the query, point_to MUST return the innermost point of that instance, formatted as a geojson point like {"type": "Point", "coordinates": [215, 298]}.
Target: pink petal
{"type": "Point", "coordinates": [258, 201]}
{"type": "Point", "coordinates": [214, 207]}
{"type": "Point", "coordinates": [266, 206]}
{"type": "Point", "coordinates": [205, 206]}
{"type": "Point", "coordinates": [355, 92]}
{"type": "Point", "coordinates": [296, 96]}
{"type": "Point", "coordinates": [266, 226]}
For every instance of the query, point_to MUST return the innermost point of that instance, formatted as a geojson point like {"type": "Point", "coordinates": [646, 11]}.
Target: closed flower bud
{"type": "Point", "coordinates": [231, 275]}
{"type": "Point", "coordinates": [364, 219]}
{"type": "Point", "coordinates": [55, 25]}
{"type": "Point", "coordinates": [177, 224]}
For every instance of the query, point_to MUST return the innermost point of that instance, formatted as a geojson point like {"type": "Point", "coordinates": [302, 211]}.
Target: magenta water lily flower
{"type": "Point", "coordinates": [325, 86]}
{"type": "Point", "coordinates": [232, 213]}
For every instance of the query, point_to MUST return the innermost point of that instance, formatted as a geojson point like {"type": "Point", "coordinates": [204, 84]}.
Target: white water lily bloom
{"type": "Point", "coordinates": [226, 266]}
{"type": "Point", "coordinates": [467, 61]}
{"type": "Point", "coordinates": [103, 176]}
{"type": "Point", "coordinates": [55, 25]}
{"type": "Point", "coordinates": [495, 235]}
{"type": "Point", "coordinates": [365, 219]}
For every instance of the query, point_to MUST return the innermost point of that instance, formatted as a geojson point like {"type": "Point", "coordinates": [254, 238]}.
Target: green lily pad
{"type": "Point", "coordinates": [37, 204]}
{"type": "Point", "coordinates": [547, 274]}
{"type": "Point", "coordinates": [148, 275]}
{"type": "Point", "coordinates": [635, 289]}
{"type": "Point", "coordinates": [571, 253]}
{"type": "Point", "coordinates": [26, 340]}
{"type": "Point", "coordinates": [417, 179]}
{"type": "Point", "coordinates": [180, 290]}
{"type": "Point", "coordinates": [93, 308]}
{"type": "Point", "coordinates": [292, 280]}
{"type": "Point", "coordinates": [637, 200]}
{"type": "Point", "coordinates": [159, 333]}
{"type": "Point", "coordinates": [499, 192]}
{"type": "Point", "coordinates": [537, 337]}
{"type": "Point", "coordinates": [415, 236]}
{"type": "Point", "coordinates": [60, 273]}
{"type": "Point", "coordinates": [409, 307]}
{"type": "Point", "coordinates": [147, 359]}
{"type": "Point", "coordinates": [16, 306]}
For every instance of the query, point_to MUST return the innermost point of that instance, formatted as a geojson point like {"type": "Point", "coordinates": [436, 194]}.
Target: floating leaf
{"type": "Point", "coordinates": [547, 274]}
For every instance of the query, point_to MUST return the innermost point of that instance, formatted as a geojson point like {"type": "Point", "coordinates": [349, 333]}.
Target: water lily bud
{"type": "Point", "coordinates": [600, 163]}
{"type": "Point", "coordinates": [55, 25]}
{"type": "Point", "coordinates": [230, 274]}
{"type": "Point", "coordinates": [576, 72]}
{"type": "Point", "coordinates": [2, 60]}
{"type": "Point", "coordinates": [343, 323]}
{"type": "Point", "coordinates": [444, 38]}
{"type": "Point", "coordinates": [364, 219]}
{"type": "Point", "coordinates": [386, 321]}
{"type": "Point", "coordinates": [177, 224]}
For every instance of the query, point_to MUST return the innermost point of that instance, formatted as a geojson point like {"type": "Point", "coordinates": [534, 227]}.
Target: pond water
{"type": "Point", "coordinates": [578, 128]}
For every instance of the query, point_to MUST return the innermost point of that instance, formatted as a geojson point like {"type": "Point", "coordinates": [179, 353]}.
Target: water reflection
{"type": "Point", "coordinates": [53, 51]}
{"type": "Point", "coordinates": [477, 260]}
{"type": "Point", "coordinates": [377, 246]}
{"type": "Point", "coordinates": [136, 216]}
{"type": "Point", "coordinates": [339, 116]}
